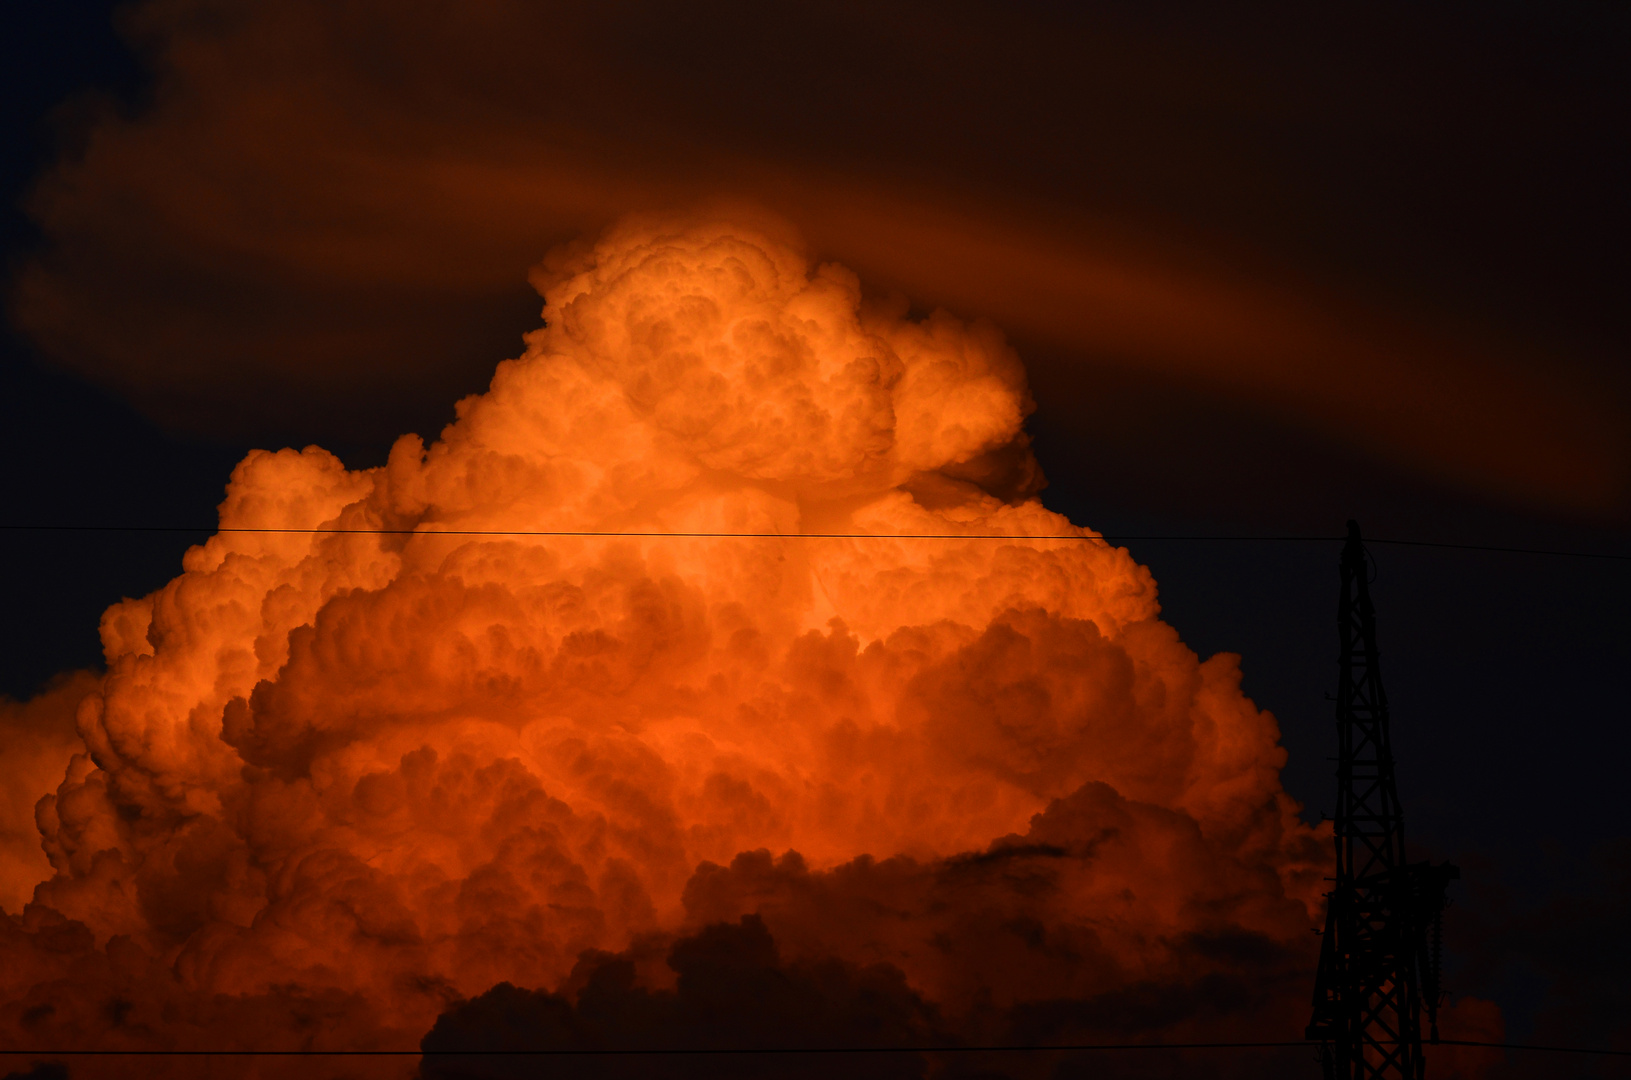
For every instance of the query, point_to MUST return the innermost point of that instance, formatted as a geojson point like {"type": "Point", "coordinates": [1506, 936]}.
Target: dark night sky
{"type": "Point", "coordinates": [1456, 176]}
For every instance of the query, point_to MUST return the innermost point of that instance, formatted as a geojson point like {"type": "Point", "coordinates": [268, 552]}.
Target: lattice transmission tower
{"type": "Point", "coordinates": [1379, 959]}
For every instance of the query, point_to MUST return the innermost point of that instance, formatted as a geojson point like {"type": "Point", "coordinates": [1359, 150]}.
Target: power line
{"type": "Point", "coordinates": [660, 1051]}
{"type": "Point", "coordinates": [706, 534]}
{"type": "Point", "coordinates": [1504, 550]}
{"type": "Point", "coordinates": [1541, 1047]}
{"type": "Point", "coordinates": [783, 1050]}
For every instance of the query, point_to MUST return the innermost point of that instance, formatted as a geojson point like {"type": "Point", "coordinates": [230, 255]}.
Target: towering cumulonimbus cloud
{"type": "Point", "coordinates": [700, 617]}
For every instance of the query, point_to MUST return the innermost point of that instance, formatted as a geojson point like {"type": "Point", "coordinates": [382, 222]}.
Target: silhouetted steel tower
{"type": "Point", "coordinates": [1379, 961]}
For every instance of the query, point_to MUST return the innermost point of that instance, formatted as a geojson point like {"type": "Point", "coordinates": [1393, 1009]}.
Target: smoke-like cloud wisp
{"type": "Point", "coordinates": [319, 221]}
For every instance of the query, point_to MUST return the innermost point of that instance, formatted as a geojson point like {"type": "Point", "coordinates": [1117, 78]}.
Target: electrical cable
{"type": "Point", "coordinates": [703, 535]}
{"type": "Point", "coordinates": [727, 1051]}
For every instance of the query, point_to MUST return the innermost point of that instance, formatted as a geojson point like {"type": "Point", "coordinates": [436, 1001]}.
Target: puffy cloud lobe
{"type": "Point", "coordinates": [769, 375]}
{"type": "Point", "coordinates": [362, 776]}
{"type": "Point", "coordinates": [1099, 893]}
{"type": "Point", "coordinates": [37, 740]}
{"type": "Point", "coordinates": [731, 989]}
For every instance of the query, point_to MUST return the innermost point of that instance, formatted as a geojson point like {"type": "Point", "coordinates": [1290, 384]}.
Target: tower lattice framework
{"type": "Point", "coordinates": [1379, 958]}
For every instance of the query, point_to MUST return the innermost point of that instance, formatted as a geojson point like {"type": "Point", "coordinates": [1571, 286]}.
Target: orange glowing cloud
{"type": "Point", "coordinates": [36, 738]}
{"type": "Point", "coordinates": [367, 776]}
